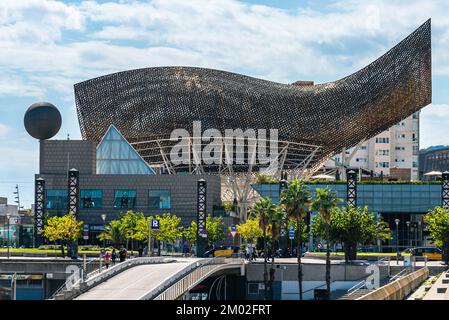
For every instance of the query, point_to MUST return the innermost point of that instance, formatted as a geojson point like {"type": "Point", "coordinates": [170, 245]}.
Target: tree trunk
{"type": "Point", "coordinates": [328, 262]}
{"type": "Point", "coordinates": [446, 253]}
{"type": "Point", "coordinates": [353, 251]}
{"type": "Point", "coordinates": [347, 251]}
{"type": "Point", "coordinates": [62, 249]}
{"type": "Point", "coordinates": [265, 271]}
{"type": "Point", "coordinates": [298, 256]}
{"type": "Point", "coordinates": [272, 271]}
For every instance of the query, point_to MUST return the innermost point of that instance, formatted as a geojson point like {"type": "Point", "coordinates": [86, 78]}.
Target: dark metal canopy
{"type": "Point", "coordinates": [147, 104]}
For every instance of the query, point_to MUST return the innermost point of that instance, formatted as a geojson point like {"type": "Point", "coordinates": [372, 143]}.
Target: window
{"type": "Point", "coordinates": [91, 198]}
{"type": "Point", "coordinates": [159, 199]}
{"type": "Point", "coordinates": [56, 199]}
{"type": "Point", "coordinates": [399, 148]}
{"type": "Point", "coordinates": [414, 137]}
{"type": "Point", "coordinates": [116, 156]}
{"type": "Point", "coordinates": [415, 164]}
{"type": "Point", "coordinates": [125, 199]}
{"type": "Point", "coordinates": [382, 152]}
{"type": "Point", "coordinates": [382, 140]}
{"type": "Point", "coordinates": [360, 160]}
{"type": "Point", "coordinates": [416, 115]}
{"type": "Point", "coordinates": [382, 165]}
{"type": "Point", "coordinates": [363, 148]}
{"type": "Point", "coordinates": [399, 160]}
{"type": "Point", "coordinates": [400, 136]}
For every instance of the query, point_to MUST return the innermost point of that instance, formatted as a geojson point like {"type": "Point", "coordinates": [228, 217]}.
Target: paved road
{"type": "Point", "coordinates": [135, 282]}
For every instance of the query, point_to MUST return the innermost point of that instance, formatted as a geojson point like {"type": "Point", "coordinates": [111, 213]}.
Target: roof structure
{"type": "Point", "coordinates": [146, 105]}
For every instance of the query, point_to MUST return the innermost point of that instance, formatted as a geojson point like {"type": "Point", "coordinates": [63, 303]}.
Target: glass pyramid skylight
{"type": "Point", "coordinates": [116, 156]}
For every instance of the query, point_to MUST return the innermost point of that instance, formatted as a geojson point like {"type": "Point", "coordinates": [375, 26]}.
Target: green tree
{"type": "Point", "coordinates": [249, 230]}
{"type": "Point", "coordinates": [128, 226]}
{"type": "Point", "coordinates": [64, 229]}
{"type": "Point", "coordinates": [352, 226]}
{"type": "Point", "coordinates": [324, 202]}
{"type": "Point", "coordinates": [437, 221]}
{"type": "Point", "coordinates": [215, 229]}
{"type": "Point", "coordinates": [263, 209]}
{"type": "Point", "coordinates": [190, 234]}
{"type": "Point", "coordinates": [296, 200]}
{"type": "Point", "coordinates": [169, 230]}
{"type": "Point", "coordinates": [112, 232]}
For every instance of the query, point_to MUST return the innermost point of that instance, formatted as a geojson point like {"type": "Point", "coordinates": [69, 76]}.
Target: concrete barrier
{"type": "Point", "coordinates": [399, 289]}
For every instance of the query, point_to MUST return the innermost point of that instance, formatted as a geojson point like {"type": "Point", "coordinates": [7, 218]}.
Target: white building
{"type": "Point", "coordinates": [393, 152]}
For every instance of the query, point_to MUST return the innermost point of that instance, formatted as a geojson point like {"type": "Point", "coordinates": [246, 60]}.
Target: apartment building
{"type": "Point", "coordinates": [393, 153]}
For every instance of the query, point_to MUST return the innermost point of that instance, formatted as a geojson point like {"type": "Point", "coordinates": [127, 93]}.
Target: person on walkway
{"type": "Point", "coordinates": [122, 254]}
{"type": "Point", "coordinates": [140, 251]}
{"type": "Point", "coordinates": [107, 259]}
{"type": "Point", "coordinates": [113, 256]}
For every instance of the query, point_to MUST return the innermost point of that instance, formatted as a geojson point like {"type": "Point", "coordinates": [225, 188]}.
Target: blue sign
{"type": "Point", "coordinates": [233, 227]}
{"type": "Point", "coordinates": [155, 225]}
{"type": "Point", "coordinates": [291, 235]}
{"type": "Point", "coordinates": [291, 228]}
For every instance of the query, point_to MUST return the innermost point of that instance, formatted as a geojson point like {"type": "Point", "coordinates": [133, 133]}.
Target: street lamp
{"type": "Point", "coordinates": [397, 240]}
{"type": "Point", "coordinates": [408, 233]}
{"type": "Point", "coordinates": [8, 217]}
{"type": "Point", "coordinates": [103, 217]}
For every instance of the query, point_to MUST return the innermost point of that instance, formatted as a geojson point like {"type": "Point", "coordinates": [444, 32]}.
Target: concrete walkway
{"type": "Point", "coordinates": [440, 289]}
{"type": "Point", "coordinates": [135, 282]}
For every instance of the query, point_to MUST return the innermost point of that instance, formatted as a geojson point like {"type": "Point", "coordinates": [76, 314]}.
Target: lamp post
{"type": "Point", "coordinates": [8, 217]}
{"type": "Point", "coordinates": [397, 240]}
{"type": "Point", "coordinates": [408, 232]}
{"type": "Point", "coordinates": [149, 238]}
{"type": "Point", "coordinates": [103, 217]}
{"type": "Point", "coordinates": [419, 233]}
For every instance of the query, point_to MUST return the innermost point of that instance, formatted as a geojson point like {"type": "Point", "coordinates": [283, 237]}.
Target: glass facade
{"type": "Point", "coordinates": [125, 199]}
{"type": "Point", "coordinates": [56, 199]}
{"type": "Point", "coordinates": [91, 199]}
{"type": "Point", "coordinates": [159, 199]}
{"type": "Point", "coordinates": [116, 156]}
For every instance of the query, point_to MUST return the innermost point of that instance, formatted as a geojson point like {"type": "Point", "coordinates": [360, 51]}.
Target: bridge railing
{"type": "Point", "coordinates": [181, 282]}
{"type": "Point", "coordinates": [98, 276]}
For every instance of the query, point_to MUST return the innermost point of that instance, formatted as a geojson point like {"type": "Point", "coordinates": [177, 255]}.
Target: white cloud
{"type": "Point", "coordinates": [434, 121]}
{"type": "Point", "coordinates": [4, 129]}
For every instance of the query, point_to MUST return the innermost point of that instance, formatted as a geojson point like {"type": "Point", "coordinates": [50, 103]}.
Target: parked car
{"type": "Point", "coordinates": [432, 253]}
{"type": "Point", "coordinates": [221, 251]}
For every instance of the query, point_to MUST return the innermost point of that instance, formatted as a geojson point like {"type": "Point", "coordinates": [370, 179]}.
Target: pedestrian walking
{"type": "Point", "coordinates": [113, 256]}
{"type": "Point", "coordinates": [107, 259]}
{"type": "Point", "coordinates": [140, 251]}
{"type": "Point", "coordinates": [122, 254]}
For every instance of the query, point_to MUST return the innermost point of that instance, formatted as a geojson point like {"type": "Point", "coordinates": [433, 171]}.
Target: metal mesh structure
{"type": "Point", "coordinates": [147, 104]}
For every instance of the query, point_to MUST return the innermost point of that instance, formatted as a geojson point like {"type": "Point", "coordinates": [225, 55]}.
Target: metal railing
{"type": "Point", "coordinates": [356, 287]}
{"type": "Point", "coordinates": [185, 279]}
{"type": "Point", "coordinates": [401, 274]}
{"type": "Point", "coordinates": [97, 276]}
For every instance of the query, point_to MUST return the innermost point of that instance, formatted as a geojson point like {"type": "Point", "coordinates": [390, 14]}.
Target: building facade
{"type": "Point", "coordinates": [392, 153]}
{"type": "Point", "coordinates": [433, 159]}
{"type": "Point", "coordinates": [113, 180]}
{"type": "Point", "coordinates": [403, 201]}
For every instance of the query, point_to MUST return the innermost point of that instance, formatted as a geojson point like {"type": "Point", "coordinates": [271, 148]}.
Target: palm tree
{"type": "Point", "coordinates": [263, 209]}
{"type": "Point", "coordinates": [296, 199]}
{"type": "Point", "coordinates": [274, 218]}
{"type": "Point", "coordinates": [324, 202]}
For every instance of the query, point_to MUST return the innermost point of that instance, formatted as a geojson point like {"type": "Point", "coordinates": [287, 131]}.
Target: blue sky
{"type": "Point", "coordinates": [47, 46]}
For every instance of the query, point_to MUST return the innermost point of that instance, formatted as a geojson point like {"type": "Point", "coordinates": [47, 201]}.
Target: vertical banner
{"type": "Point", "coordinates": [201, 218]}
{"type": "Point", "coordinates": [39, 210]}
{"type": "Point", "coordinates": [73, 205]}
{"type": "Point", "coordinates": [445, 190]}
{"type": "Point", "coordinates": [351, 186]}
